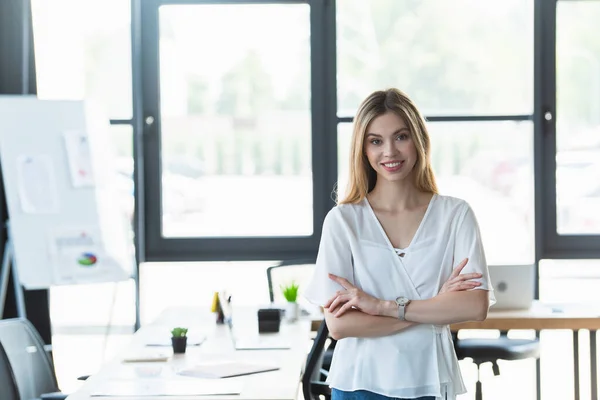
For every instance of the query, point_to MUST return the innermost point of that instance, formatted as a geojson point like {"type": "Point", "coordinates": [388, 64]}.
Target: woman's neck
{"type": "Point", "coordinates": [397, 196]}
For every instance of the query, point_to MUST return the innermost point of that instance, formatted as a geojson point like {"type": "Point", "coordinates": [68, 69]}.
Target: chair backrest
{"type": "Point", "coordinates": [31, 365]}
{"type": "Point", "coordinates": [312, 386]}
{"type": "Point", "coordinates": [283, 273]}
{"type": "Point", "coordinates": [8, 385]}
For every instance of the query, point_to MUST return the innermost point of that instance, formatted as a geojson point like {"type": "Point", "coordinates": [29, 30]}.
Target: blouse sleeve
{"type": "Point", "coordinates": [468, 244]}
{"type": "Point", "coordinates": [334, 257]}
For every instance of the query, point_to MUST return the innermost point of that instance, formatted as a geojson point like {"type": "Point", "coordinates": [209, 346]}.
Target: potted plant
{"type": "Point", "coordinates": [179, 339]}
{"type": "Point", "coordinates": [290, 292]}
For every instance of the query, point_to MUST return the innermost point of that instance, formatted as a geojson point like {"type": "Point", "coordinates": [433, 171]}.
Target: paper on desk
{"type": "Point", "coordinates": [146, 356]}
{"type": "Point", "coordinates": [36, 180]}
{"type": "Point", "coordinates": [153, 387]}
{"type": "Point", "coordinates": [225, 369]}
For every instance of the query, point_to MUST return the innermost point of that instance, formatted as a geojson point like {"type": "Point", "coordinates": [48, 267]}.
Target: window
{"type": "Point", "coordinates": [578, 118]}
{"type": "Point", "coordinates": [470, 73]}
{"type": "Point", "coordinates": [463, 57]}
{"type": "Point", "coordinates": [235, 124]}
{"type": "Point", "coordinates": [83, 50]}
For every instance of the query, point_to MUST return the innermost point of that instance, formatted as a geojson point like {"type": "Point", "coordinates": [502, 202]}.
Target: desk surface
{"type": "Point", "coordinates": [538, 317]}
{"type": "Point", "coordinates": [282, 384]}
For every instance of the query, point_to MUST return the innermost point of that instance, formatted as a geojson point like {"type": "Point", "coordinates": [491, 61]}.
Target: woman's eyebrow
{"type": "Point", "coordinates": [394, 133]}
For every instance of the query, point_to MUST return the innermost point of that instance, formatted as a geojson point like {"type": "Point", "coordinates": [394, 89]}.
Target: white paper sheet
{"type": "Point", "coordinates": [78, 255]}
{"type": "Point", "coordinates": [36, 182]}
{"type": "Point", "coordinates": [79, 158]}
{"type": "Point", "coordinates": [225, 369]}
{"type": "Point", "coordinates": [145, 388]}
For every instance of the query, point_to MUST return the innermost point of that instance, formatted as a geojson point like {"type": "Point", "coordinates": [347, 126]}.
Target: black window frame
{"type": "Point", "coordinates": [551, 245]}
{"type": "Point", "coordinates": [324, 143]}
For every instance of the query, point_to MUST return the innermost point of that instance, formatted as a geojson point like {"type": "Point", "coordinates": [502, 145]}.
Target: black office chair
{"type": "Point", "coordinates": [492, 350]}
{"type": "Point", "coordinates": [300, 271]}
{"type": "Point", "coordinates": [32, 368]}
{"type": "Point", "coordinates": [313, 379]}
{"type": "Point", "coordinates": [8, 385]}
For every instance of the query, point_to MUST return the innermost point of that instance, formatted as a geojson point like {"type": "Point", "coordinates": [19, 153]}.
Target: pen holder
{"type": "Point", "coordinates": [269, 320]}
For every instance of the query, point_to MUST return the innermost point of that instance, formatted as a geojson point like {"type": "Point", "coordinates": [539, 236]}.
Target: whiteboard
{"type": "Point", "coordinates": [65, 221]}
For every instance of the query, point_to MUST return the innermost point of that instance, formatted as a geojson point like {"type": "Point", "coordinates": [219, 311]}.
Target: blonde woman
{"type": "Point", "coordinates": [397, 264]}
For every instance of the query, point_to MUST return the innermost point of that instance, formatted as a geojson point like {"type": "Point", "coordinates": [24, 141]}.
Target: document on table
{"type": "Point", "coordinates": [225, 369]}
{"type": "Point", "coordinates": [147, 388]}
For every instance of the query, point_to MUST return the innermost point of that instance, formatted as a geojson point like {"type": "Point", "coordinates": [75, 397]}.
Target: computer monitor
{"type": "Point", "coordinates": [514, 286]}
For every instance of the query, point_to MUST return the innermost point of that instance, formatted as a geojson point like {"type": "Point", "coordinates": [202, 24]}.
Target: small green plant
{"type": "Point", "coordinates": [179, 332]}
{"type": "Point", "coordinates": [290, 291]}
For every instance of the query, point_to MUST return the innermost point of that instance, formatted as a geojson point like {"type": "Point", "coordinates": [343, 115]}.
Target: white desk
{"type": "Point", "coordinates": [282, 384]}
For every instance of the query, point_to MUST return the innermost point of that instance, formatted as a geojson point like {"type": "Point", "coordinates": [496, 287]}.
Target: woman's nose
{"type": "Point", "coordinates": [390, 148]}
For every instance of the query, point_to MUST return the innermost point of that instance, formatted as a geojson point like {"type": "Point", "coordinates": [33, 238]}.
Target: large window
{"type": "Point", "coordinates": [463, 57]}
{"type": "Point", "coordinates": [471, 74]}
{"type": "Point", "coordinates": [235, 124]}
{"type": "Point", "coordinates": [578, 118]}
{"type": "Point", "coordinates": [567, 79]}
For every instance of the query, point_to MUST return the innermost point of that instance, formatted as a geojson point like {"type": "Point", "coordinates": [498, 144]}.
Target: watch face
{"type": "Point", "coordinates": [401, 301]}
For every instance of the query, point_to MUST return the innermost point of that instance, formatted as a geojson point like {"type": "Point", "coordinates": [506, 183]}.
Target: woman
{"type": "Point", "coordinates": [384, 272]}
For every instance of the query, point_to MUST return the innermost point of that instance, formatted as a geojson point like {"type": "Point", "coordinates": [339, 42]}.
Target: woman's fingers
{"type": "Point", "coordinates": [343, 309]}
{"type": "Point", "coordinates": [339, 300]}
{"type": "Point", "coordinates": [465, 286]}
{"type": "Point", "coordinates": [337, 294]}
{"type": "Point", "coordinates": [459, 268]}
{"type": "Point", "coordinates": [472, 275]}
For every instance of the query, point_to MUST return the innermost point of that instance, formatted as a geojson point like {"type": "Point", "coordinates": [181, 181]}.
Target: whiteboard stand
{"type": "Point", "coordinates": [8, 266]}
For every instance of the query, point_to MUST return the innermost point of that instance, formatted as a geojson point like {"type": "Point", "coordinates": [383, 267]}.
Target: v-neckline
{"type": "Point", "coordinates": [415, 236]}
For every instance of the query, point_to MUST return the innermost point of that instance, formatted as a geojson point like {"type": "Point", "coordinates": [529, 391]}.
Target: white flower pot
{"type": "Point", "coordinates": [291, 311]}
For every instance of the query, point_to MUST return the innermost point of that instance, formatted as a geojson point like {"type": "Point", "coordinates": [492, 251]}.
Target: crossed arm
{"type": "Point", "coordinates": [354, 313]}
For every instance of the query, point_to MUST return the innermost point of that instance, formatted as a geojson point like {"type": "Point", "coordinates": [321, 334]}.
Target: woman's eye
{"type": "Point", "coordinates": [402, 136]}
{"type": "Point", "coordinates": [375, 141]}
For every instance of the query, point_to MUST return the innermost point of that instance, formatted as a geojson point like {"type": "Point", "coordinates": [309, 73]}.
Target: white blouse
{"type": "Point", "coordinates": [418, 361]}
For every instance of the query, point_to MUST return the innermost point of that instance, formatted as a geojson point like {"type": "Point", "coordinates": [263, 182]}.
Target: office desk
{"type": "Point", "coordinates": [540, 317]}
{"type": "Point", "coordinates": [282, 384]}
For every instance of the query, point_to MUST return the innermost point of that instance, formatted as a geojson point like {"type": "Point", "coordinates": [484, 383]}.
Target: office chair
{"type": "Point", "coordinates": [492, 350]}
{"type": "Point", "coordinates": [313, 383]}
{"type": "Point", "coordinates": [8, 386]}
{"type": "Point", "coordinates": [300, 271]}
{"type": "Point", "coordinates": [32, 369]}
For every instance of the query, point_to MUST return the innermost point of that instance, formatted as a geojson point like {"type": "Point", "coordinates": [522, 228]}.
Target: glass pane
{"type": "Point", "coordinates": [578, 118]}
{"type": "Point", "coordinates": [83, 50]}
{"type": "Point", "coordinates": [236, 124]}
{"type": "Point", "coordinates": [490, 165]}
{"type": "Point", "coordinates": [451, 57]}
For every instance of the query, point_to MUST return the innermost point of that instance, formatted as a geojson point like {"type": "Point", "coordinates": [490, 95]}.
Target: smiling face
{"type": "Point", "coordinates": [389, 147]}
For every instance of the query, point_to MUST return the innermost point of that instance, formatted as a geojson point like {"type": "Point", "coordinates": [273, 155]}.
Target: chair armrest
{"type": "Point", "coordinates": [54, 396]}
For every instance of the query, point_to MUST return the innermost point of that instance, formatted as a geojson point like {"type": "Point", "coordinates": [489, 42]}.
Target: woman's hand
{"type": "Point", "coordinates": [458, 282]}
{"type": "Point", "coordinates": [351, 297]}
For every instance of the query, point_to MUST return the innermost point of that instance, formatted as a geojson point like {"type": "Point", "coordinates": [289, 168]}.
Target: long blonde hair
{"type": "Point", "coordinates": [363, 177]}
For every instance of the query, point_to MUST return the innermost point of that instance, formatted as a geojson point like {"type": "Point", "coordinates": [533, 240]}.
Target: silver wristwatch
{"type": "Point", "coordinates": [402, 303]}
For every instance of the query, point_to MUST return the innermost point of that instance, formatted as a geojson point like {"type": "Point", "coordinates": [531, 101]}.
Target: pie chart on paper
{"type": "Point", "coordinates": [87, 259]}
